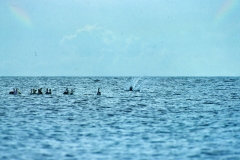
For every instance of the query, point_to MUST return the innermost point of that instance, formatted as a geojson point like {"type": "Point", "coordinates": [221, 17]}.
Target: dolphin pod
{"type": "Point", "coordinates": [39, 91]}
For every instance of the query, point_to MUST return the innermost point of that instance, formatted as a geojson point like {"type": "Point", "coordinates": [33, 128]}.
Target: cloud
{"type": "Point", "coordinates": [87, 28]}
{"type": "Point", "coordinates": [95, 40]}
{"type": "Point", "coordinates": [113, 53]}
{"type": "Point", "coordinates": [121, 54]}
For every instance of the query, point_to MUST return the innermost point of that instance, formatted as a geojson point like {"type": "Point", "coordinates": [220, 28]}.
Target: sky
{"type": "Point", "coordinates": [120, 38]}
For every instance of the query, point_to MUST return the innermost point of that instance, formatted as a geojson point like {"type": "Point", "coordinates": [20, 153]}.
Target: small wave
{"type": "Point", "coordinates": [211, 102]}
{"type": "Point", "coordinates": [96, 80]}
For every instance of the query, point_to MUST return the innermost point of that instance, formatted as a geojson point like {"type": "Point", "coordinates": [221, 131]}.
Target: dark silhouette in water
{"type": "Point", "coordinates": [15, 91]}
{"type": "Point", "coordinates": [33, 91]}
{"type": "Point", "coordinates": [40, 91]}
{"type": "Point", "coordinates": [98, 93]}
{"type": "Point", "coordinates": [131, 88]}
{"type": "Point", "coordinates": [12, 92]}
{"type": "Point", "coordinates": [18, 91]}
{"type": "Point", "coordinates": [48, 91]}
{"type": "Point", "coordinates": [67, 91]}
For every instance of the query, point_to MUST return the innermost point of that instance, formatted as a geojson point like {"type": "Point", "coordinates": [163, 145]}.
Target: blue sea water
{"type": "Point", "coordinates": [164, 118]}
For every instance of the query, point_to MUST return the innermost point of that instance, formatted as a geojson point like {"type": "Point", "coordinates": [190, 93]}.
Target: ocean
{"type": "Point", "coordinates": [162, 118]}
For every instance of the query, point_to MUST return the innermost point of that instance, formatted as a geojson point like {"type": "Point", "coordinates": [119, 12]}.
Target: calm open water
{"type": "Point", "coordinates": [169, 118]}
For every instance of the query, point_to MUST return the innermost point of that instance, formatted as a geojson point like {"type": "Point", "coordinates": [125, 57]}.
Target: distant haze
{"type": "Point", "coordinates": [120, 38]}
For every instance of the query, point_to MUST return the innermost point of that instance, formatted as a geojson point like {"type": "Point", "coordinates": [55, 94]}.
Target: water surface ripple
{"type": "Point", "coordinates": [169, 118]}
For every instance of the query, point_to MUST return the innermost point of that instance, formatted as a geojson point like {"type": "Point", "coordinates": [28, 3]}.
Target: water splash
{"type": "Point", "coordinates": [136, 83]}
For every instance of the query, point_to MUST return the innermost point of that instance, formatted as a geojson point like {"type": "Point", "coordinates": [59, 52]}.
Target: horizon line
{"type": "Point", "coordinates": [124, 76]}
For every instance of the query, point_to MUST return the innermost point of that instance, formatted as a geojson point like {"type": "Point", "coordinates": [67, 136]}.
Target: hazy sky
{"type": "Point", "coordinates": [120, 38]}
